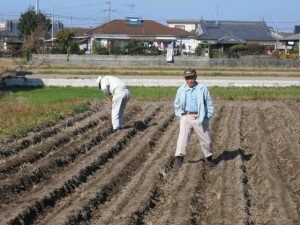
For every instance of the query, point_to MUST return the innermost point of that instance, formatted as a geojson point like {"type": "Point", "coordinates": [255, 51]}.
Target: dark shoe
{"type": "Point", "coordinates": [178, 162]}
{"type": "Point", "coordinates": [117, 129]}
{"type": "Point", "coordinates": [210, 162]}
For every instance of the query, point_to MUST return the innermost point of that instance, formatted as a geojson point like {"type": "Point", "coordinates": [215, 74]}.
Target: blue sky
{"type": "Point", "coordinates": [282, 15]}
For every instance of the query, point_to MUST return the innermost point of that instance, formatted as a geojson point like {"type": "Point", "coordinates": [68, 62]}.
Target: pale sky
{"type": "Point", "coordinates": [281, 15]}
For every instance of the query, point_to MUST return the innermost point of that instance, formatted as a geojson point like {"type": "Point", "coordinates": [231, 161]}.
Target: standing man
{"type": "Point", "coordinates": [115, 89]}
{"type": "Point", "coordinates": [194, 107]}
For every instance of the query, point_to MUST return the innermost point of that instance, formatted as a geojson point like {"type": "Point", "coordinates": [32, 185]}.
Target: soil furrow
{"type": "Point", "coordinates": [272, 201]}
{"type": "Point", "coordinates": [111, 183]}
{"type": "Point", "coordinates": [66, 187]}
{"type": "Point", "coordinates": [285, 151]}
{"type": "Point", "coordinates": [62, 189]}
{"type": "Point", "coordinates": [172, 207]}
{"type": "Point", "coordinates": [31, 174]}
{"type": "Point", "coordinates": [46, 168]}
{"type": "Point", "coordinates": [39, 151]}
{"type": "Point", "coordinates": [142, 193]}
{"type": "Point", "coordinates": [226, 197]}
{"type": "Point", "coordinates": [100, 177]}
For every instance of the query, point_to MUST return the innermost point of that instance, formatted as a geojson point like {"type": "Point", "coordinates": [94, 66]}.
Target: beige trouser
{"type": "Point", "coordinates": [119, 101]}
{"type": "Point", "coordinates": [187, 123]}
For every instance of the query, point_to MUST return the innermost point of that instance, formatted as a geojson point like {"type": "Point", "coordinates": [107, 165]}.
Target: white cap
{"type": "Point", "coordinates": [99, 80]}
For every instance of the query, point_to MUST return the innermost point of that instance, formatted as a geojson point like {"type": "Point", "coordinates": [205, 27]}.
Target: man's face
{"type": "Point", "coordinates": [190, 80]}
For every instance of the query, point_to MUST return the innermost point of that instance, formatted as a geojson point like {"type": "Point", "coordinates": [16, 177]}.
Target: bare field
{"type": "Point", "coordinates": [79, 172]}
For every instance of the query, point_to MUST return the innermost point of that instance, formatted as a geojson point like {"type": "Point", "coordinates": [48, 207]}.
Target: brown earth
{"type": "Point", "coordinates": [79, 172]}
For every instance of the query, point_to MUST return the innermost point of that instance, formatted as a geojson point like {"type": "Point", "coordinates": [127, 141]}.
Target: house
{"type": "Point", "coordinates": [82, 37]}
{"type": "Point", "coordinates": [9, 33]}
{"type": "Point", "coordinates": [223, 34]}
{"type": "Point", "coordinates": [291, 41]}
{"type": "Point", "coordinates": [137, 29]}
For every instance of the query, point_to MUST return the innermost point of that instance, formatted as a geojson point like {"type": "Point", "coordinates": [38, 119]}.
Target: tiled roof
{"type": "Point", "coordinates": [231, 39]}
{"type": "Point", "coordinates": [249, 31]}
{"type": "Point", "coordinates": [147, 28]}
{"type": "Point", "coordinates": [295, 37]}
{"type": "Point", "coordinates": [183, 21]}
{"type": "Point", "coordinates": [79, 32]}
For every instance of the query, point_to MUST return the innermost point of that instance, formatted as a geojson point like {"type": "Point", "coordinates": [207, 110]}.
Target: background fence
{"type": "Point", "coordinates": [179, 61]}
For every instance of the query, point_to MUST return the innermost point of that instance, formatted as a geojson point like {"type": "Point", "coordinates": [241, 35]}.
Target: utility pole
{"type": "Point", "coordinates": [36, 6]}
{"type": "Point", "coordinates": [52, 30]}
{"type": "Point", "coordinates": [109, 10]}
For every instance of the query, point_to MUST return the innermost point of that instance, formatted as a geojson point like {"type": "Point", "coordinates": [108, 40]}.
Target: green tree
{"type": "Point", "coordinates": [99, 49]}
{"type": "Point", "coordinates": [30, 22]}
{"type": "Point", "coordinates": [201, 48]}
{"type": "Point", "coordinates": [115, 48]}
{"type": "Point", "coordinates": [237, 48]}
{"type": "Point", "coordinates": [135, 48]}
{"type": "Point", "coordinates": [254, 48]}
{"type": "Point", "coordinates": [33, 29]}
{"type": "Point", "coordinates": [65, 44]}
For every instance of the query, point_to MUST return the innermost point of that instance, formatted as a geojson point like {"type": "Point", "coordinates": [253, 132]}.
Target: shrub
{"type": "Point", "coordinates": [254, 49]}
{"type": "Point", "coordinates": [99, 49]}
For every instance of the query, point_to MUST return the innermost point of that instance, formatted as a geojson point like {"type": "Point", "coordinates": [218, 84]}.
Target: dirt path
{"type": "Point", "coordinates": [79, 172]}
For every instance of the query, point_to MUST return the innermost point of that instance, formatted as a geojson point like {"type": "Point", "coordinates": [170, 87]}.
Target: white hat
{"type": "Point", "coordinates": [99, 80]}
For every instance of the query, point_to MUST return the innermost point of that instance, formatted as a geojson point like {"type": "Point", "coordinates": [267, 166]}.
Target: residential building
{"type": "Point", "coordinates": [82, 37]}
{"type": "Point", "coordinates": [9, 33]}
{"type": "Point", "coordinates": [137, 29]}
{"type": "Point", "coordinates": [223, 34]}
{"type": "Point", "coordinates": [291, 42]}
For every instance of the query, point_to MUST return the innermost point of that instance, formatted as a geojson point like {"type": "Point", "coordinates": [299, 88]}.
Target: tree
{"type": "Point", "coordinates": [254, 48]}
{"type": "Point", "coordinates": [115, 48]}
{"type": "Point", "coordinates": [99, 49]}
{"type": "Point", "coordinates": [33, 29]}
{"type": "Point", "coordinates": [30, 22]}
{"type": "Point", "coordinates": [64, 43]}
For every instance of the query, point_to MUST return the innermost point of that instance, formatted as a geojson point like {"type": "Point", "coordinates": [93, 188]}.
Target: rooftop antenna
{"type": "Point", "coordinates": [131, 7]}
{"type": "Point", "coordinates": [217, 12]}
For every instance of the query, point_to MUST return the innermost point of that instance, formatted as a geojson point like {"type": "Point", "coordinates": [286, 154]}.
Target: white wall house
{"type": "Point", "coordinates": [190, 44]}
{"type": "Point", "coordinates": [147, 31]}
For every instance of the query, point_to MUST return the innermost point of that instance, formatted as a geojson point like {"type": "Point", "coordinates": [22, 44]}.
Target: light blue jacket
{"type": "Point", "coordinates": [205, 106]}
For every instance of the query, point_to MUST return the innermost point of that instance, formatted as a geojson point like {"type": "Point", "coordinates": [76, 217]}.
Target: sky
{"type": "Point", "coordinates": [281, 15]}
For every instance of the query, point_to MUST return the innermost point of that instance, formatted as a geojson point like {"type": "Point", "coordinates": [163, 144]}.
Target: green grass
{"type": "Point", "coordinates": [30, 109]}
{"type": "Point", "coordinates": [50, 95]}
{"type": "Point", "coordinates": [257, 93]}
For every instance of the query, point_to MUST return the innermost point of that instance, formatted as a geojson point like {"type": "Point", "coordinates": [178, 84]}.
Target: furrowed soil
{"type": "Point", "coordinates": [79, 172]}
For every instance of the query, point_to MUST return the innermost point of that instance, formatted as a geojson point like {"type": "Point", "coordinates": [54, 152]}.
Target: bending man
{"type": "Point", "coordinates": [115, 89]}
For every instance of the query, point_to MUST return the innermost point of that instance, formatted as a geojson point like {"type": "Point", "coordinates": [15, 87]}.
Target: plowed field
{"type": "Point", "coordinates": [79, 172]}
